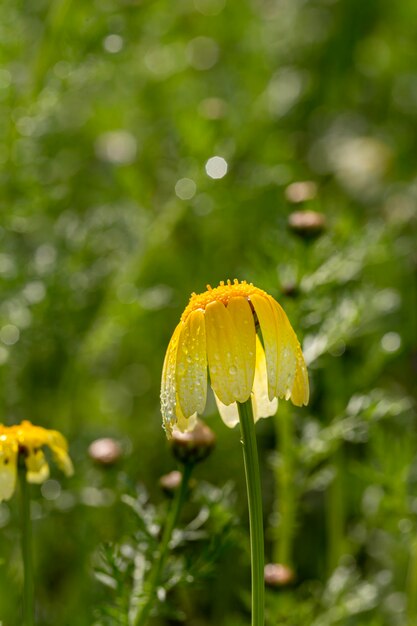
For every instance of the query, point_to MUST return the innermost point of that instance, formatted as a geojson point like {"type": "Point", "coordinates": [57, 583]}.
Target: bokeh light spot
{"type": "Point", "coordinates": [113, 43]}
{"type": "Point", "coordinates": [9, 334]}
{"type": "Point", "coordinates": [216, 167]}
{"type": "Point", "coordinates": [391, 342]}
{"type": "Point", "coordinates": [118, 147]}
{"type": "Point", "coordinates": [202, 53]}
{"type": "Point", "coordinates": [185, 188]}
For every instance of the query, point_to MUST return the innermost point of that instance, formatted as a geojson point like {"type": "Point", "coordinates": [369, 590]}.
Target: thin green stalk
{"type": "Point", "coordinates": [253, 485]}
{"type": "Point", "coordinates": [335, 500]}
{"type": "Point", "coordinates": [335, 513]}
{"type": "Point", "coordinates": [285, 496]}
{"type": "Point", "coordinates": [152, 585]}
{"type": "Point", "coordinates": [26, 538]}
{"type": "Point", "coordinates": [412, 584]}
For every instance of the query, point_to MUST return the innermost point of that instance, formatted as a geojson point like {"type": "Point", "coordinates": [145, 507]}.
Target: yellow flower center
{"type": "Point", "coordinates": [223, 293]}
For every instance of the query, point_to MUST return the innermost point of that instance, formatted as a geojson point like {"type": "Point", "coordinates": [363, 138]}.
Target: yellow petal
{"type": "Point", "coordinates": [59, 447]}
{"type": "Point", "coordinates": [292, 371]}
{"type": "Point", "coordinates": [168, 385]}
{"type": "Point", "coordinates": [191, 370]}
{"type": "Point", "coordinates": [8, 471]}
{"type": "Point", "coordinates": [266, 317]}
{"type": "Point", "coordinates": [37, 469]}
{"type": "Point", "coordinates": [261, 404]}
{"type": "Point", "coordinates": [242, 316]}
{"type": "Point", "coordinates": [227, 363]}
{"type": "Point", "coordinates": [300, 392]}
{"type": "Point", "coordinates": [185, 424]}
{"type": "Point", "coordinates": [229, 414]}
{"type": "Point", "coordinates": [286, 352]}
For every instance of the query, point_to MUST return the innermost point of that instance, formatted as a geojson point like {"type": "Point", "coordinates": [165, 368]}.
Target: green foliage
{"type": "Point", "coordinates": [195, 550]}
{"type": "Point", "coordinates": [109, 113]}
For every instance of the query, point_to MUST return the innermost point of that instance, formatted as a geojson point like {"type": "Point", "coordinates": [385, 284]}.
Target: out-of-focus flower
{"type": "Point", "coordinates": [217, 333]}
{"type": "Point", "coordinates": [26, 441]}
{"type": "Point", "coordinates": [301, 191]}
{"type": "Point", "coordinates": [277, 575]}
{"type": "Point", "coordinates": [170, 482]}
{"type": "Point", "coordinates": [105, 451]}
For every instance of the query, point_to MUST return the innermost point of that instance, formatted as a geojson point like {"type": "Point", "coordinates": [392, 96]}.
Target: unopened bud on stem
{"type": "Point", "coordinates": [307, 224]}
{"type": "Point", "coordinates": [193, 446]}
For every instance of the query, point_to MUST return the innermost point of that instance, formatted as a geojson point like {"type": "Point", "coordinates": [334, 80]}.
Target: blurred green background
{"type": "Point", "coordinates": [148, 148]}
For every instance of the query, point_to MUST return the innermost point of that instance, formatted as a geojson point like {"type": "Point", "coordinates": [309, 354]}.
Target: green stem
{"type": "Point", "coordinates": [253, 485]}
{"type": "Point", "coordinates": [159, 563]}
{"type": "Point", "coordinates": [335, 513]}
{"type": "Point", "coordinates": [334, 381]}
{"type": "Point", "coordinates": [412, 584]}
{"type": "Point", "coordinates": [285, 497]}
{"type": "Point", "coordinates": [26, 538]}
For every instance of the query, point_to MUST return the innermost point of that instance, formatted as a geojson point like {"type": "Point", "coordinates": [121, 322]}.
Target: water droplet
{"type": "Point", "coordinates": [213, 369]}
{"type": "Point", "coordinates": [189, 359]}
{"type": "Point", "coordinates": [232, 370]}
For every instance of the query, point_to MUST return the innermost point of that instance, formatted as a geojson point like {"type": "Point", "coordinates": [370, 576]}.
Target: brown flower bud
{"type": "Point", "coordinates": [307, 224]}
{"type": "Point", "coordinates": [169, 483]}
{"type": "Point", "coordinates": [105, 451]}
{"type": "Point", "coordinates": [290, 289]}
{"type": "Point", "coordinates": [277, 575]}
{"type": "Point", "coordinates": [193, 446]}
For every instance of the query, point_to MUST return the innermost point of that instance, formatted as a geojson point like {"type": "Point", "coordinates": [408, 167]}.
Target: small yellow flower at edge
{"type": "Point", "coordinates": [218, 334]}
{"type": "Point", "coordinates": [26, 440]}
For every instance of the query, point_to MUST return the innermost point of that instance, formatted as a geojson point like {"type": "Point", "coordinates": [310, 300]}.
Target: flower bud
{"type": "Point", "coordinates": [307, 224]}
{"type": "Point", "coordinates": [105, 451]}
{"type": "Point", "coordinates": [169, 483]}
{"type": "Point", "coordinates": [290, 289]}
{"type": "Point", "coordinates": [193, 446]}
{"type": "Point", "coordinates": [277, 575]}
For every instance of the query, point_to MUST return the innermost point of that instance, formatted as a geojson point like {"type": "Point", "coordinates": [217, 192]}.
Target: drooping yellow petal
{"type": "Point", "coordinates": [59, 447]}
{"type": "Point", "coordinates": [191, 370]}
{"type": "Point", "coordinates": [228, 372]}
{"type": "Point", "coordinates": [242, 316]}
{"type": "Point", "coordinates": [300, 392]}
{"type": "Point", "coordinates": [168, 384]}
{"type": "Point", "coordinates": [287, 347]}
{"type": "Point", "coordinates": [261, 404]}
{"type": "Point", "coordinates": [185, 424]}
{"type": "Point", "coordinates": [37, 469]}
{"type": "Point", "coordinates": [266, 317]}
{"type": "Point", "coordinates": [8, 469]}
{"type": "Point", "coordinates": [292, 380]}
{"type": "Point", "coordinates": [229, 414]}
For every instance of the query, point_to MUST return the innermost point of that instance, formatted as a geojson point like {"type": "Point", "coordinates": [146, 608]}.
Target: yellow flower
{"type": "Point", "coordinates": [218, 333]}
{"type": "Point", "coordinates": [26, 441]}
